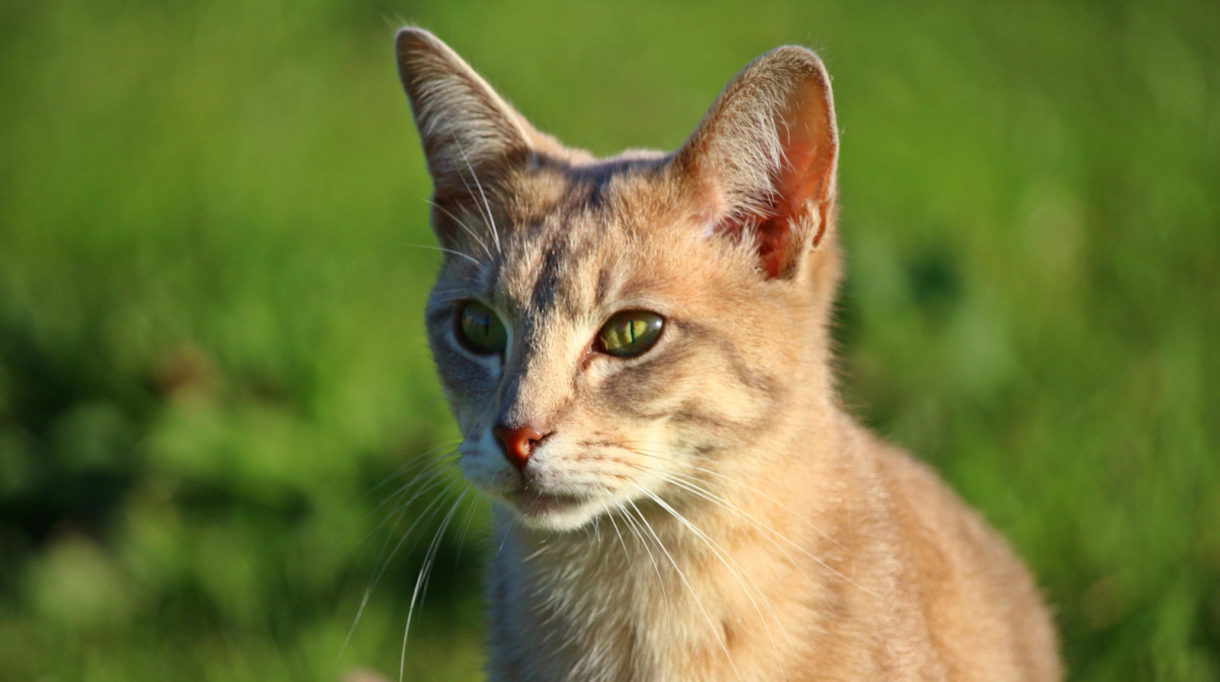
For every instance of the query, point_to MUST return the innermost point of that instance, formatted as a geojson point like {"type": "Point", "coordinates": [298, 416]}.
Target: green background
{"type": "Point", "coordinates": [213, 380]}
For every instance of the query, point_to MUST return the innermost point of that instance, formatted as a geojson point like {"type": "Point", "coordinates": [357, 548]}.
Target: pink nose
{"type": "Point", "coordinates": [518, 443]}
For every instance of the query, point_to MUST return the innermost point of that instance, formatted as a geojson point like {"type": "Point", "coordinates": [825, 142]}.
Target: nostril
{"type": "Point", "coordinates": [518, 442]}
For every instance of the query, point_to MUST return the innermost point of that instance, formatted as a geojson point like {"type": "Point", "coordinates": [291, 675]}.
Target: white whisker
{"type": "Point", "coordinates": [464, 226]}
{"type": "Point", "coordinates": [429, 472]}
{"type": "Point", "coordinates": [471, 508]}
{"type": "Point", "coordinates": [717, 551]}
{"type": "Point", "coordinates": [491, 219]}
{"type": "Point", "coordinates": [535, 553]}
{"type": "Point", "coordinates": [682, 576]}
{"type": "Point", "coordinates": [421, 582]}
{"type": "Point", "coordinates": [656, 567]}
{"type": "Point", "coordinates": [770, 534]}
{"type": "Point", "coordinates": [428, 512]}
{"type": "Point", "coordinates": [634, 447]}
{"type": "Point", "coordinates": [454, 252]}
{"type": "Point", "coordinates": [621, 542]}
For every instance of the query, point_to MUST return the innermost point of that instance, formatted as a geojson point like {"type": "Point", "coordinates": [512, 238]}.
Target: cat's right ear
{"type": "Point", "coordinates": [469, 133]}
{"type": "Point", "coordinates": [762, 162]}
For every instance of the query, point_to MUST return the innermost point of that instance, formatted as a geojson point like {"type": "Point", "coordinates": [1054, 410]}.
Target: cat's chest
{"type": "Point", "coordinates": [630, 611]}
{"type": "Point", "coordinates": [578, 616]}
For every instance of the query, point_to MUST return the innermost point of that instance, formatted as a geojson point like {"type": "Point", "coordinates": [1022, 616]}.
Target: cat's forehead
{"type": "Point", "coordinates": [576, 237]}
{"type": "Point", "coordinates": [563, 259]}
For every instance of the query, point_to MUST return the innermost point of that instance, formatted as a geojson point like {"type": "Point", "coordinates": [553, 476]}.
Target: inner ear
{"type": "Point", "coordinates": [799, 187]}
{"type": "Point", "coordinates": [763, 158]}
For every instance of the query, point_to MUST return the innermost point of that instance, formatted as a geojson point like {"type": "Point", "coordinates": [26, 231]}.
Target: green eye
{"type": "Point", "coordinates": [629, 333]}
{"type": "Point", "coordinates": [480, 330]}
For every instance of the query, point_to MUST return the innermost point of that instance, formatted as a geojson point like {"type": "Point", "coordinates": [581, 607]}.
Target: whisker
{"type": "Point", "coordinates": [682, 576]}
{"type": "Point", "coordinates": [463, 225]}
{"type": "Point", "coordinates": [427, 513]}
{"type": "Point", "coordinates": [434, 468]}
{"type": "Point", "coordinates": [639, 535]}
{"type": "Point", "coordinates": [471, 508]}
{"type": "Point", "coordinates": [491, 219]}
{"type": "Point", "coordinates": [421, 582]}
{"type": "Point", "coordinates": [442, 249]}
{"type": "Point", "coordinates": [614, 524]}
{"type": "Point", "coordinates": [656, 454]}
{"type": "Point", "coordinates": [401, 470]}
{"type": "Point", "coordinates": [419, 459]}
{"type": "Point", "coordinates": [535, 553]}
{"type": "Point", "coordinates": [769, 533]}
{"type": "Point", "coordinates": [717, 550]}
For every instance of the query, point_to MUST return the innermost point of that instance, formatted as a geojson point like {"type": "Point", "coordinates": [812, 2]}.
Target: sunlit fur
{"type": "Point", "coordinates": [706, 510]}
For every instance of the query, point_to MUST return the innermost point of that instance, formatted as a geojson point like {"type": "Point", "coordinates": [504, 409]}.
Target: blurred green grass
{"type": "Point", "coordinates": [210, 335]}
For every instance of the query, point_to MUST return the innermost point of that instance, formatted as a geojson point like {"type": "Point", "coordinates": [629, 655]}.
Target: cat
{"type": "Point", "coordinates": [636, 351]}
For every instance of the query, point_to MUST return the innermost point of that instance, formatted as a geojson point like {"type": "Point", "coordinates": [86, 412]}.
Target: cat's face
{"type": "Point", "coordinates": [611, 332]}
{"type": "Point", "coordinates": [634, 346]}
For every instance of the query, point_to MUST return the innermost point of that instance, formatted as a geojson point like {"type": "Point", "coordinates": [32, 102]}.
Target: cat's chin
{"type": "Point", "coordinates": [555, 512]}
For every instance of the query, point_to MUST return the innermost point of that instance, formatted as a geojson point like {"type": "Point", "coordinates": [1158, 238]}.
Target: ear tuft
{"type": "Point", "coordinates": [762, 161]}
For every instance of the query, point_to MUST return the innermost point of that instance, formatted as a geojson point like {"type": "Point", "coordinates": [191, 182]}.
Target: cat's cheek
{"type": "Point", "coordinates": [660, 456]}
{"type": "Point", "coordinates": [596, 369]}
{"type": "Point", "coordinates": [468, 384]}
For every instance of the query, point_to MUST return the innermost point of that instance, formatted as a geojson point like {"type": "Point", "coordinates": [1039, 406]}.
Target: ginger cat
{"type": "Point", "coordinates": [636, 352]}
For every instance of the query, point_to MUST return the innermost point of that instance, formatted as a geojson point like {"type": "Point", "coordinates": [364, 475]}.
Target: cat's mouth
{"type": "Point", "coordinates": [546, 509]}
{"type": "Point", "coordinates": [535, 501]}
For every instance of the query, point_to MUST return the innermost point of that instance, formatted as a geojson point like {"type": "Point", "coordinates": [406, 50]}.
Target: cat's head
{"type": "Point", "coordinates": [614, 331]}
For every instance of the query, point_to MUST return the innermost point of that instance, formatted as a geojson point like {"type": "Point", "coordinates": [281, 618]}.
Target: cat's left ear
{"type": "Point", "coordinates": [761, 164]}
{"type": "Point", "coordinates": [467, 130]}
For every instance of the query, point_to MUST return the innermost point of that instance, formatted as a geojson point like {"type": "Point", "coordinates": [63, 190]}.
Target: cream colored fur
{"type": "Point", "coordinates": [705, 511]}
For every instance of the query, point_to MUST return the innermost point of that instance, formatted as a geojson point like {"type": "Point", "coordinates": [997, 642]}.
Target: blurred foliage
{"type": "Point", "coordinates": [213, 380]}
